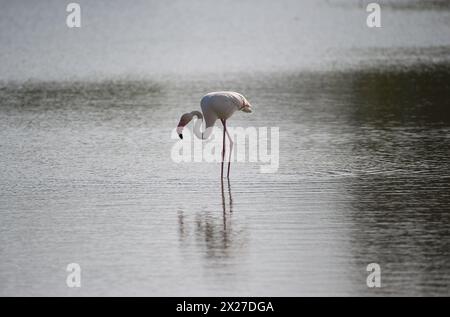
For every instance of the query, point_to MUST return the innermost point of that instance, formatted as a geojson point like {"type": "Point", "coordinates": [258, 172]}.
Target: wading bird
{"type": "Point", "coordinates": [215, 105]}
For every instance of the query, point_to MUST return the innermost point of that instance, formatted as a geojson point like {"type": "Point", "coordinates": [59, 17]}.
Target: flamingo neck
{"type": "Point", "coordinates": [203, 135]}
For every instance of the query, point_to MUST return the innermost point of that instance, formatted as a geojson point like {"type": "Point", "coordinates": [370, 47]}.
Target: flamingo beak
{"type": "Point", "coordinates": [180, 132]}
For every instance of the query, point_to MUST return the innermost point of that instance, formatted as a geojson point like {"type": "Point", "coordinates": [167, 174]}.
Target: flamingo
{"type": "Point", "coordinates": [215, 105]}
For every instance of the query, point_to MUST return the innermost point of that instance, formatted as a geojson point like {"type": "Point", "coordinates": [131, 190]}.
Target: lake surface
{"type": "Point", "coordinates": [364, 176]}
{"type": "Point", "coordinates": [87, 177]}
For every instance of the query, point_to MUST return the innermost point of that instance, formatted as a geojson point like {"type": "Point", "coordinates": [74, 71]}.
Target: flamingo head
{"type": "Point", "coordinates": [246, 106]}
{"type": "Point", "coordinates": [184, 120]}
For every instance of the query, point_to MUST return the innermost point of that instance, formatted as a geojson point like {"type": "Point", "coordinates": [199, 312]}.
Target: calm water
{"type": "Point", "coordinates": [86, 177]}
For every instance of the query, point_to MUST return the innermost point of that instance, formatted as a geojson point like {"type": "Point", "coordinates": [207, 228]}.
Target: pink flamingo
{"type": "Point", "coordinates": [216, 105]}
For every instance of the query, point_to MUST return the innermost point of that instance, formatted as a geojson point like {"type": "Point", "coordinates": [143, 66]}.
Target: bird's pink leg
{"type": "Point", "coordinates": [231, 149]}
{"type": "Point", "coordinates": [223, 148]}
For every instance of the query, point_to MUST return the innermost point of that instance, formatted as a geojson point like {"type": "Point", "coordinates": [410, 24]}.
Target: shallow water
{"type": "Point", "coordinates": [86, 173]}
{"type": "Point", "coordinates": [87, 177]}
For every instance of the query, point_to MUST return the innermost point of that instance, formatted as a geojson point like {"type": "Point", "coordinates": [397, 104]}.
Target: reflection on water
{"type": "Point", "coordinates": [86, 177]}
{"type": "Point", "coordinates": [215, 235]}
{"type": "Point", "coordinates": [230, 204]}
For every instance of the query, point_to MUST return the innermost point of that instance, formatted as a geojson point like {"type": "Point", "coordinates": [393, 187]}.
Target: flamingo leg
{"type": "Point", "coordinates": [231, 149]}
{"type": "Point", "coordinates": [223, 148]}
